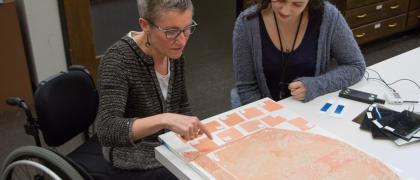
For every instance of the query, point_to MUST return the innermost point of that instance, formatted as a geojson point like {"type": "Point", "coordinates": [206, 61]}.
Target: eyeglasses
{"type": "Point", "coordinates": [173, 33]}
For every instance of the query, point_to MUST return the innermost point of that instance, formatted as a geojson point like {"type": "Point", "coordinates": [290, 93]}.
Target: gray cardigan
{"type": "Point", "coordinates": [335, 41]}
{"type": "Point", "coordinates": [129, 89]}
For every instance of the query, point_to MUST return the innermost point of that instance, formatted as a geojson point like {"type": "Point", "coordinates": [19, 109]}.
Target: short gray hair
{"type": "Point", "coordinates": [153, 9]}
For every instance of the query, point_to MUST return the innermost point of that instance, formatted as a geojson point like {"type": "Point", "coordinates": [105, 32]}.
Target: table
{"type": "Point", "coordinates": [404, 160]}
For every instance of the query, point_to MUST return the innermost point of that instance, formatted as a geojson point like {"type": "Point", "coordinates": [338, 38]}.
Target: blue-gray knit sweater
{"type": "Point", "coordinates": [335, 41]}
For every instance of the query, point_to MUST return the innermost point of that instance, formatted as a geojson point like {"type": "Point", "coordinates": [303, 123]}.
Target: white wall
{"type": "Point", "coordinates": [42, 31]}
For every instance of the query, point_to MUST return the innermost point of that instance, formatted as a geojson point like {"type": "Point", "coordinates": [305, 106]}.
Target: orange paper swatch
{"type": "Point", "coordinates": [191, 155]}
{"type": "Point", "coordinates": [273, 121]}
{"type": "Point", "coordinates": [252, 126]}
{"type": "Point", "coordinates": [300, 123]}
{"type": "Point", "coordinates": [205, 145]}
{"type": "Point", "coordinates": [229, 135]}
{"type": "Point", "coordinates": [233, 119]}
{"type": "Point", "coordinates": [271, 106]}
{"type": "Point", "coordinates": [251, 112]}
{"type": "Point", "coordinates": [213, 126]}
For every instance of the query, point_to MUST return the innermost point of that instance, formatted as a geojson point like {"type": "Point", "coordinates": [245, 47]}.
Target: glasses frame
{"type": "Point", "coordinates": [190, 27]}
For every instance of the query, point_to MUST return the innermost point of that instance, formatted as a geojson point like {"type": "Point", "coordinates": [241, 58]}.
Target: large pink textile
{"type": "Point", "coordinates": [284, 154]}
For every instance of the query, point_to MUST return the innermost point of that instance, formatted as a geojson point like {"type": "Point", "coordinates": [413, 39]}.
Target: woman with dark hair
{"type": "Point", "coordinates": [142, 90]}
{"type": "Point", "coordinates": [283, 48]}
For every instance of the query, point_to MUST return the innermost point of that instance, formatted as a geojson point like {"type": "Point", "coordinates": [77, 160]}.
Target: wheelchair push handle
{"type": "Point", "coordinates": [31, 126]}
{"type": "Point", "coordinates": [15, 101]}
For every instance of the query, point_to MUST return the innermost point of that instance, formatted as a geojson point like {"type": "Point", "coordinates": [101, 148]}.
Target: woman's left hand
{"type": "Point", "coordinates": [297, 90]}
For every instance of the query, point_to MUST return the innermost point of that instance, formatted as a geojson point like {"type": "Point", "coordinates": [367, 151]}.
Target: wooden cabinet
{"type": "Point", "coordinates": [14, 74]}
{"type": "Point", "coordinates": [371, 20]}
{"type": "Point", "coordinates": [383, 28]}
{"type": "Point", "coordinates": [413, 19]}
{"type": "Point", "coordinates": [414, 4]}
{"type": "Point", "coordinates": [375, 12]}
{"type": "Point", "coordinates": [350, 4]}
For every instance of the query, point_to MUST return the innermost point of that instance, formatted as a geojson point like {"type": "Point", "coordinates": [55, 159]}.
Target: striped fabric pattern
{"type": "Point", "coordinates": [129, 89]}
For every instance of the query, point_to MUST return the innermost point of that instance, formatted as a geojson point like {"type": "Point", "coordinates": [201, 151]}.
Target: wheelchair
{"type": "Point", "coordinates": [66, 105]}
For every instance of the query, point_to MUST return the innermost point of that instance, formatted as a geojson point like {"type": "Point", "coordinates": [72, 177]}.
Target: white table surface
{"type": "Point", "coordinates": [404, 160]}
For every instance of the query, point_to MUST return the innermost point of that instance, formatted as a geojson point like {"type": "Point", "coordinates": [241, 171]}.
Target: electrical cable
{"type": "Point", "coordinates": [389, 84]}
{"type": "Point", "coordinates": [381, 79]}
{"type": "Point", "coordinates": [405, 80]}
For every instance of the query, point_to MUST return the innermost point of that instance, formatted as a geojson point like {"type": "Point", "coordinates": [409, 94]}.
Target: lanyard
{"type": "Point", "coordinates": [282, 84]}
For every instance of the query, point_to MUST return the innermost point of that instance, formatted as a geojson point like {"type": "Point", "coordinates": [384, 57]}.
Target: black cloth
{"type": "Point", "coordinates": [299, 63]}
{"type": "Point", "coordinates": [160, 173]}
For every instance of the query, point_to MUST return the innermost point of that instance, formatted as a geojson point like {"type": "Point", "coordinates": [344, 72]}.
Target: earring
{"type": "Point", "coordinates": [147, 40]}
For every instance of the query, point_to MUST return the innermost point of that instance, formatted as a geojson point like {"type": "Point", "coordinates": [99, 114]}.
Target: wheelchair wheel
{"type": "Point", "coordinates": [31, 162]}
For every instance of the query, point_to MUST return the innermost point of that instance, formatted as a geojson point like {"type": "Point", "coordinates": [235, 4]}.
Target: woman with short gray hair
{"type": "Point", "coordinates": [142, 90]}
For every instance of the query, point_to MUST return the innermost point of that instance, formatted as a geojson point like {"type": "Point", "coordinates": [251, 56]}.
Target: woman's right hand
{"type": "Point", "coordinates": [189, 127]}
